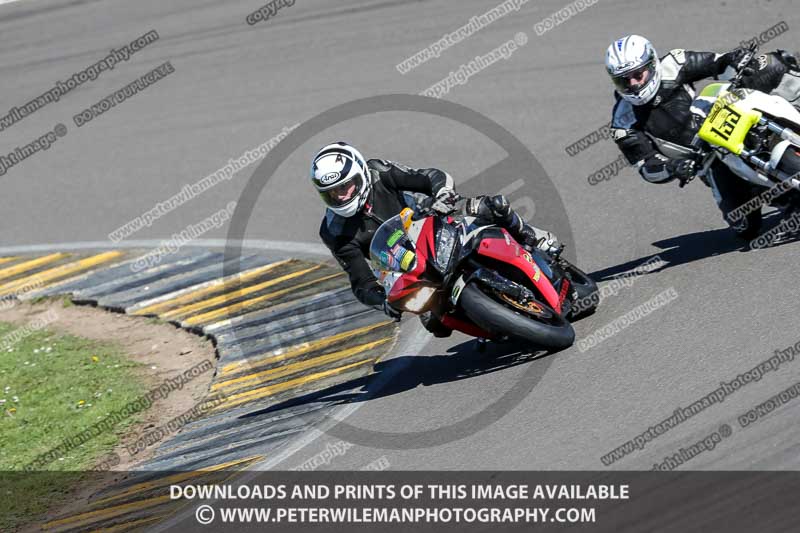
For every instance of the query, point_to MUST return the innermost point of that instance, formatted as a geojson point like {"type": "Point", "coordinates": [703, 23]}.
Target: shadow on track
{"type": "Point", "coordinates": [408, 372]}
{"type": "Point", "coordinates": [688, 248]}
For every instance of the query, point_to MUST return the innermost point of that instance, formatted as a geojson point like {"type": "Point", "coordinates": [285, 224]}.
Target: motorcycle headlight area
{"type": "Point", "coordinates": [445, 242]}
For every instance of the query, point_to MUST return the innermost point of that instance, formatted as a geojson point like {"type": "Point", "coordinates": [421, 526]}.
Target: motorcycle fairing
{"type": "Point", "coordinates": [422, 234]}
{"type": "Point", "coordinates": [508, 251]}
{"type": "Point", "coordinates": [769, 106]}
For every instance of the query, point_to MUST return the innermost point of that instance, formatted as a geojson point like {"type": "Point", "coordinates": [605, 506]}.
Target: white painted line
{"type": "Point", "coordinates": [415, 343]}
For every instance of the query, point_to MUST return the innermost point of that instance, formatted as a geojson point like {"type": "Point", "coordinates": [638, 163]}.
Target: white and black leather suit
{"type": "Point", "coordinates": [654, 137]}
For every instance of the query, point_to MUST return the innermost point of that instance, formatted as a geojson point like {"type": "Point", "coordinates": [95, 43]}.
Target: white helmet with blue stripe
{"type": "Point", "coordinates": [635, 69]}
{"type": "Point", "coordinates": [339, 173]}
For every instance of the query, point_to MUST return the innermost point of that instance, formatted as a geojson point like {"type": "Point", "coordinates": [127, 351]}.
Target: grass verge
{"type": "Point", "coordinates": [53, 387]}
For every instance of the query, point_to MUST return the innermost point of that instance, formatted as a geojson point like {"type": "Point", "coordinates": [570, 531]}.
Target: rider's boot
{"type": "Point", "coordinates": [529, 236]}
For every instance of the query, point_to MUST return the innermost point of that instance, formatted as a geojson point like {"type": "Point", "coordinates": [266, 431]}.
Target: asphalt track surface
{"type": "Point", "coordinates": [236, 85]}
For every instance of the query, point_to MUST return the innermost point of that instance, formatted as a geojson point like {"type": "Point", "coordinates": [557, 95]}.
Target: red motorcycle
{"type": "Point", "coordinates": [478, 280]}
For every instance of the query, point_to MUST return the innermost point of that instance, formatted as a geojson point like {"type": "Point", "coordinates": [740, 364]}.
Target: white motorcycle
{"type": "Point", "coordinates": [752, 133]}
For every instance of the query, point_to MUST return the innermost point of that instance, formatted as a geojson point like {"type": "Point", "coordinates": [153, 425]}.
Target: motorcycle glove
{"type": "Point", "coordinates": [732, 58]}
{"type": "Point", "coordinates": [374, 297]}
{"type": "Point", "coordinates": [445, 201]}
{"type": "Point", "coordinates": [391, 312]}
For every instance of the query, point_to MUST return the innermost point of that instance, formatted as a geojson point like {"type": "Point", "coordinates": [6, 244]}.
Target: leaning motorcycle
{"type": "Point", "coordinates": [753, 133]}
{"type": "Point", "coordinates": [478, 280]}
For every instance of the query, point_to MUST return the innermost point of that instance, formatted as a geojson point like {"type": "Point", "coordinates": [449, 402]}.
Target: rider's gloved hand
{"type": "Point", "coordinates": [374, 297]}
{"type": "Point", "coordinates": [445, 201]}
{"type": "Point", "coordinates": [683, 169]}
{"type": "Point", "coordinates": [391, 312]}
{"type": "Point", "coordinates": [732, 58]}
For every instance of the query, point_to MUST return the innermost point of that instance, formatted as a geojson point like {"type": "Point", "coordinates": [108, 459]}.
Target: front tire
{"type": "Point", "coordinates": [790, 162]}
{"type": "Point", "coordinates": [494, 317]}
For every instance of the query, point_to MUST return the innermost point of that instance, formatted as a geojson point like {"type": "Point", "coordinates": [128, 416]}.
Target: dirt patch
{"type": "Point", "coordinates": [164, 350]}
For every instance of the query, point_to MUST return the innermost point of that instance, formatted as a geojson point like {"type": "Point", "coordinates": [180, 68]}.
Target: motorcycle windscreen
{"type": "Point", "coordinates": [391, 250]}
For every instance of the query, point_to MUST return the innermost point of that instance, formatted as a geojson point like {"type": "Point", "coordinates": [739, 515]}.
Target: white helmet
{"type": "Point", "coordinates": [635, 69]}
{"type": "Point", "coordinates": [341, 177]}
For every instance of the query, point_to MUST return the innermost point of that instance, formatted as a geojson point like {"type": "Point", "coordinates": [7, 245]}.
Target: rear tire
{"type": "Point", "coordinates": [790, 164]}
{"type": "Point", "coordinates": [497, 319]}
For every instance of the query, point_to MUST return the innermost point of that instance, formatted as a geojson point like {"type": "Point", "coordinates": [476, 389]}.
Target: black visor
{"type": "Point", "coordinates": [633, 81]}
{"type": "Point", "coordinates": [343, 193]}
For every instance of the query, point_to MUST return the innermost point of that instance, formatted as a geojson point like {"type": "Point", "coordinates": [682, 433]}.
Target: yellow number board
{"type": "Point", "coordinates": [727, 126]}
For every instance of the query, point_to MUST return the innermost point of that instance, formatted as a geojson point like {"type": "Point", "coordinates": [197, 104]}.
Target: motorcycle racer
{"type": "Point", "coordinates": [361, 194]}
{"type": "Point", "coordinates": [652, 123]}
